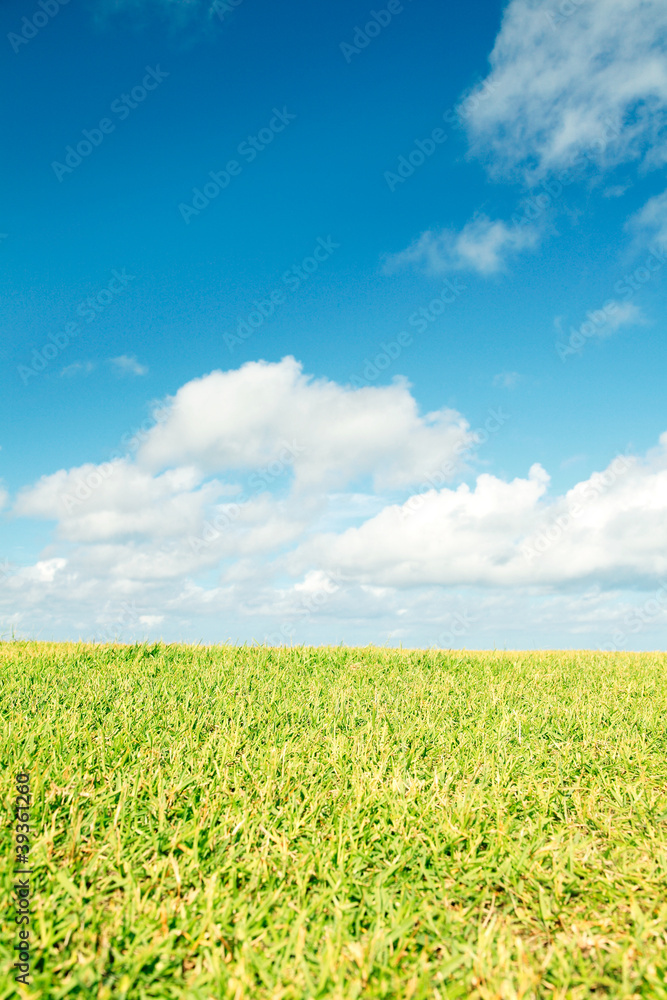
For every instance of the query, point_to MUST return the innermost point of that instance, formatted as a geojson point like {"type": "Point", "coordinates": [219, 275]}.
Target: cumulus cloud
{"type": "Point", "coordinates": [239, 466]}
{"type": "Point", "coordinates": [331, 434]}
{"type": "Point", "coordinates": [483, 246]}
{"type": "Point", "coordinates": [560, 84]}
{"type": "Point", "coordinates": [207, 532]}
{"type": "Point", "coordinates": [115, 500]}
{"type": "Point", "coordinates": [610, 528]}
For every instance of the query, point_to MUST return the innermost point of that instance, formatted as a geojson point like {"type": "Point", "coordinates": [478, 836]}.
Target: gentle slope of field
{"type": "Point", "coordinates": [306, 823]}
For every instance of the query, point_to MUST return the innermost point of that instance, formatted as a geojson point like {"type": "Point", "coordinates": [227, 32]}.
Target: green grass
{"type": "Point", "coordinates": [258, 823]}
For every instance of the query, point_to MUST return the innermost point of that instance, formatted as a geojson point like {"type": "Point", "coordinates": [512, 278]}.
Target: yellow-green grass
{"type": "Point", "coordinates": [330, 822]}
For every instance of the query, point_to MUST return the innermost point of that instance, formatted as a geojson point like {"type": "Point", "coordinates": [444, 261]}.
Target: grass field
{"type": "Point", "coordinates": [263, 823]}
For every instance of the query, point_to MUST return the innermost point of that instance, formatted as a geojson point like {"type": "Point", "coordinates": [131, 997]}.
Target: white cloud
{"type": "Point", "coordinates": [625, 314]}
{"type": "Point", "coordinates": [151, 620]}
{"type": "Point", "coordinates": [650, 222]}
{"type": "Point", "coordinates": [77, 368]}
{"type": "Point", "coordinates": [117, 500]}
{"type": "Point", "coordinates": [615, 190]}
{"type": "Point", "coordinates": [602, 323]}
{"type": "Point", "coordinates": [564, 89]}
{"type": "Point", "coordinates": [128, 365]}
{"type": "Point", "coordinates": [44, 571]}
{"type": "Point", "coordinates": [483, 245]}
{"type": "Point", "coordinates": [267, 424]}
{"type": "Point", "coordinates": [610, 529]}
{"type": "Point", "coordinates": [556, 85]}
{"type": "Point", "coordinates": [183, 542]}
{"type": "Point", "coordinates": [330, 435]}
{"type": "Point", "coordinates": [573, 460]}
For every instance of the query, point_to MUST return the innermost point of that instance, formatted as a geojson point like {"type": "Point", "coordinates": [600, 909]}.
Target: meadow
{"type": "Point", "coordinates": [218, 822]}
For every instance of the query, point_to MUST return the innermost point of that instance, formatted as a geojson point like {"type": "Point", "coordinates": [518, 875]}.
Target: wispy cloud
{"type": "Point", "coordinates": [625, 314]}
{"type": "Point", "coordinates": [573, 460]}
{"type": "Point", "coordinates": [616, 190]}
{"type": "Point", "coordinates": [128, 365]}
{"type": "Point", "coordinates": [556, 85]}
{"type": "Point", "coordinates": [650, 222]}
{"type": "Point", "coordinates": [566, 89]}
{"type": "Point", "coordinates": [507, 380]}
{"type": "Point", "coordinates": [484, 246]}
{"type": "Point", "coordinates": [78, 368]}
{"type": "Point", "coordinates": [179, 11]}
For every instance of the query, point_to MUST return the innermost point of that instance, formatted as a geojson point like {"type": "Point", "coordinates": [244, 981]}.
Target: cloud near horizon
{"type": "Point", "coordinates": [215, 515]}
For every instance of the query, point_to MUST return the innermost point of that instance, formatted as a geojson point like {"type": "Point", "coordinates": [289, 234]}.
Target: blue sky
{"type": "Point", "coordinates": [452, 190]}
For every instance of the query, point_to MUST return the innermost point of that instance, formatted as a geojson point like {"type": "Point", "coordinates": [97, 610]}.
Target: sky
{"type": "Point", "coordinates": [334, 323]}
